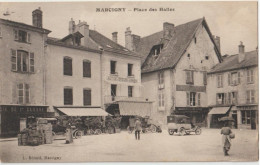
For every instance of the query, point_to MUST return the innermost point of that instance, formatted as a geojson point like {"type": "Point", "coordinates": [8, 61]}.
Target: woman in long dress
{"type": "Point", "coordinates": [226, 141]}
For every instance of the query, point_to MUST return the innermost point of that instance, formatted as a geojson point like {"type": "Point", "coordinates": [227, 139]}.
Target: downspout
{"type": "Point", "coordinates": [44, 70]}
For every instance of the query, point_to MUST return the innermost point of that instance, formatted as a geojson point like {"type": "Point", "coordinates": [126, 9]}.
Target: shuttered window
{"type": "Point", "coordinates": [189, 77]}
{"type": "Point", "coordinates": [188, 98]}
{"type": "Point", "coordinates": [250, 76]}
{"type": "Point", "coordinates": [113, 67]}
{"type": "Point", "coordinates": [130, 91]}
{"type": "Point", "coordinates": [130, 69]}
{"type": "Point", "coordinates": [86, 68]}
{"type": "Point", "coordinates": [87, 96]}
{"type": "Point", "coordinates": [68, 96]}
{"type": "Point", "coordinates": [14, 60]}
{"type": "Point", "coordinates": [31, 61]}
{"type": "Point", "coordinates": [67, 66]}
{"type": "Point", "coordinates": [250, 96]}
{"type": "Point", "coordinates": [220, 81]}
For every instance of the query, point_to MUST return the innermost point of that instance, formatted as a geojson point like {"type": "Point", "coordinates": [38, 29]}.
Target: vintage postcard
{"type": "Point", "coordinates": [126, 81]}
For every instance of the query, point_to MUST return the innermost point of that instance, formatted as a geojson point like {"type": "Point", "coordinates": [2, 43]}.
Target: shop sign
{"type": "Point", "coordinates": [23, 109]}
{"type": "Point", "coordinates": [116, 78]}
{"type": "Point", "coordinates": [190, 109]}
{"type": "Point", "coordinates": [247, 108]}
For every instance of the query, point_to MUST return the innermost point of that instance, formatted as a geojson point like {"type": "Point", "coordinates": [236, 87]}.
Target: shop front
{"type": "Point", "coordinates": [247, 117]}
{"type": "Point", "coordinates": [215, 114]}
{"type": "Point", "coordinates": [15, 118]}
{"type": "Point", "coordinates": [198, 115]}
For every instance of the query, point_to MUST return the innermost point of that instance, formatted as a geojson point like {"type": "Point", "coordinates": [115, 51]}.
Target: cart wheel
{"type": "Point", "coordinates": [77, 134]}
{"type": "Point", "coordinates": [153, 128]}
{"type": "Point", "coordinates": [182, 131]}
{"type": "Point", "coordinates": [129, 130]}
{"type": "Point", "coordinates": [98, 131]}
{"type": "Point", "coordinates": [198, 131]}
{"type": "Point", "coordinates": [171, 132]}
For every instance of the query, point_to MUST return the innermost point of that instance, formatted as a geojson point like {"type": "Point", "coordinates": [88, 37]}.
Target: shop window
{"type": "Point", "coordinates": [87, 96]}
{"type": "Point", "coordinates": [86, 68]}
{"type": "Point", "coordinates": [161, 79]}
{"type": "Point", "coordinates": [221, 98]}
{"type": "Point", "coordinates": [113, 67]}
{"type": "Point", "coordinates": [67, 66]}
{"type": "Point", "coordinates": [246, 117]}
{"type": "Point", "coordinates": [250, 76]}
{"type": "Point", "coordinates": [250, 96]}
{"type": "Point", "coordinates": [220, 81]}
{"type": "Point", "coordinates": [22, 36]}
{"type": "Point", "coordinates": [130, 91]}
{"type": "Point", "coordinates": [130, 69]}
{"type": "Point", "coordinates": [23, 93]}
{"type": "Point", "coordinates": [68, 96]}
{"type": "Point", "coordinates": [22, 61]}
{"type": "Point", "coordinates": [189, 77]}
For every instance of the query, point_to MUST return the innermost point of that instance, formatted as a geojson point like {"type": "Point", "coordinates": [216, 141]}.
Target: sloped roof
{"type": "Point", "coordinates": [231, 62]}
{"type": "Point", "coordinates": [73, 34]}
{"type": "Point", "coordinates": [109, 45]}
{"type": "Point", "coordinates": [176, 47]}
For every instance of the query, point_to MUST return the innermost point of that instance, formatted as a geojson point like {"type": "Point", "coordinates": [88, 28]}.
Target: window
{"type": "Point", "coordinates": [86, 68]}
{"type": "Point", "coordinates": [250, 76]}
{"type": "Point", "coordinates": [192, 98]}
{"type": "Point", "coordinates": [195, 40]}
{"type": "Point", "coordinates": [161, 98]}
{"type": "Point", "coordinates": [232, 98]}
{"type": "Point", "coordinates": [189, 77]}
{"type": "Point", "coordinates": [113, 67]}
{"type": "Point", "coordinates": [130, 69]}
{"type": "Point", "coordinates": [22, 61]}
{"type": "Point", "coordinates": [68, 96]}
{"type": "Point", "coordinates": [221, 98]}
{"type": "Point", "coordinates": [67, 66]}
{"type": "Point", "coordinates": [250, 96]}
{"type": "Point", "coordinates": [22, 36]}
{"type": "Point", "coordinates": [87, 96]}
{"type": "Point", "coordinates": [220, 80]}
{"type": "Point", "coordinates": [77, 41]}
{"type": "Point", "coordinates": [234, 78]}
{"type": "Point", "coordinates": [205, 78]}
{"type": "Point", "coordinates": [23, 93]}
{"type": "Point", "coordinates": [198, 99]}
{"type": "Point", "coordinates": [161, 79]}
{"type": "Point", "coordinates": [206, 57]}
{"type": "Point", "coordinates": [130, 91]}
{"type": "Point", "coordinates": [246, 117]}
{"type": "Point", "coordinates": [113, 91]}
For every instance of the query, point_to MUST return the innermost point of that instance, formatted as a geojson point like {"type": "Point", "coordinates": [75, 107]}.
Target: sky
{"type": "Point", "coordinates": [232, 21]}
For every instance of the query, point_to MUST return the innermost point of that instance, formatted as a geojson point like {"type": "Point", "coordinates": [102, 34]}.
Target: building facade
{"type": "Point", "coordinates": [233, 90]}
{"type": "Point", "coordinates": [174, 69]}
{"type": "Point", "coordinates": [22, 73]}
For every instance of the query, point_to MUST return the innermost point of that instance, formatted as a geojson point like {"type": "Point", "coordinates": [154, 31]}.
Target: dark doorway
{"type": "Point", "coordinates": [235, 120]}
{"type": "Point", "coordinates": [253, 120]}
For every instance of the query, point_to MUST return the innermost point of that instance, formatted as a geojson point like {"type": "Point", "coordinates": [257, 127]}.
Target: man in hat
{"type": "Point", "coordinates": [138, 128]}
{"type": "Point", "coordinates": [226, 141]}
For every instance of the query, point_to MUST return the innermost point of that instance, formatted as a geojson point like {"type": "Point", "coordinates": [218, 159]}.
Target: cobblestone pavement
{"type": "Point", "coordinates": [151, 147]}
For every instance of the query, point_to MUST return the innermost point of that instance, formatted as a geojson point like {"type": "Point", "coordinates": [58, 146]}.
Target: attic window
{"type": "Point", "coordinates": [156, 50]}
{"type": "Point", "coordinates": [206, 57]}
{"type": "Point", "coordinates": [109, 46]}
{"type": "Point", "coordinates": [188, 55]}
{"type": "Point", "coordinates": [195, 40]}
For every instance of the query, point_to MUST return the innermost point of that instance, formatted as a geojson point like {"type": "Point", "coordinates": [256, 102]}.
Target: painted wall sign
{"type": "Point", "coordinates": [116, 78]}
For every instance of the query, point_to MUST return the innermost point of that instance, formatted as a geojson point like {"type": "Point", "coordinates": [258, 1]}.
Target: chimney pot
{"type": "Point", "coordinates": [241, 50]}
{"type": "Point", "coordinates": [114, 36]}
{"type": "Point", "coordinates": [168, 30]}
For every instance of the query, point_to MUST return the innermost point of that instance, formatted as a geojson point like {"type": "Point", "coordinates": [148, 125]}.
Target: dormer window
{"type": "Point", "coordinates": [156, 50]}
{"type": "Point", "coordinates": [206, 57]}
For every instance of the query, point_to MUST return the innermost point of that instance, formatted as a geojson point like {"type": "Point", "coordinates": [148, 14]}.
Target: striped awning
{"type": "Point", "coordinates": [218, 110]}
{"type": "Point", "coordinates": [88, 111]}
{"type": "Point", "coordinates": [132, 108]}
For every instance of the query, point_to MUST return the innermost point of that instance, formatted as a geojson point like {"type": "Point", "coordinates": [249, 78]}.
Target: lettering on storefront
{"type": "Point", "coordinates": [247, 108]}
{"type": "Point", "coordinates": [116, 78]}
{"type": "Point", "coordinates": [191, 109]}
{"type": "Point", "coordinates": [21, 109]}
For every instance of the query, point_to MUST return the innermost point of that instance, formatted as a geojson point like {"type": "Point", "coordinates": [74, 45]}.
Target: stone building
{"type": "Point", "coordinates": [22, 73]}
{"type": "Point", "coordinates": [175, 62]}
{"type": "Point", "coordinates": [233, 90]}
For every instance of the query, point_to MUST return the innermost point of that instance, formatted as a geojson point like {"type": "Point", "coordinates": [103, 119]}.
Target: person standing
{"type": "Point", "coordinates": [226, 141]}
{"type": "Point", "coordinates": [138, 128]}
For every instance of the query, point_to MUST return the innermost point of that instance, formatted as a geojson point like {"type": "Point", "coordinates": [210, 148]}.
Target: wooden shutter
{"type": "Point", "coordinates": [20, 88]}
{"type": "Point", "coordinates": [31, 62]}
{"type": "Point", "coordinates": [238, 77]}
{"type": "Point", "coordinates": [198, 99]}
{"type": "Point", "coordinates": [28, 37]}
{"type": "Point", "coordinates": [225, 98]}
{"type": "Point", "coordinates": [86, 69]}
{"type": "Point", "coordinates": [188, 98]}
{"type": "Point", "coordinates": [252, 75]}
{"type": "Point", "coordinates": [14, 60]}
{"type": "Point", "coordinates": [205, 78]}
{"type": "Point", "coordinates": [16, 34]}
{"type": "Point", "coordinates": [248, 96]}
{"type": "Point", "coordinates": [192, 77]}
{"type": "Point", "coordinates": [252, 96]}
{"type": "Point", "coordinates": [27, 93]}
{"type": "Point", "coordinates": [229, 79]}
{"type": "Point", "coordinates": [87, 96]}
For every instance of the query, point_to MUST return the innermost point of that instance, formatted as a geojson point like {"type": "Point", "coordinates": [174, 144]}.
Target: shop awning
{"type": "Point", "coordinates": [83, 111]}
{"type": "Point", "coordinates": [218, 110]}
{"type": "Point", "coordinates": [134, 108]}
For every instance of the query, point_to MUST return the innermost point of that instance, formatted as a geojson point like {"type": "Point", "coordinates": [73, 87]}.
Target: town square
{"type": "Point", "coordinates": [128, 82]}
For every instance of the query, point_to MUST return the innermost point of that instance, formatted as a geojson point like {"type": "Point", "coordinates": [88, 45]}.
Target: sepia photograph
{"type": "Point", "coordinates": [121, 81]}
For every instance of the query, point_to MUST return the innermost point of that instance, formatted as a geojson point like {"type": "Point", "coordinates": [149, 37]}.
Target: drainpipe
{"type": "Point", "coordinates": [44, 70]}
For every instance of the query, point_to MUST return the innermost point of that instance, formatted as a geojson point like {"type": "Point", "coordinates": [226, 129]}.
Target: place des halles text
{"type": "Point", "coordinates": [134, 9]}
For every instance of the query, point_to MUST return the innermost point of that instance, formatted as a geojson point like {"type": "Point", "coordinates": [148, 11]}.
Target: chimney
{"type": "Point", "coordinates": [71, 26]}
{"type": "Point", "coordinates": [37, 18]}
{"type": "Point", "coordinates": [168, 30]}
{"type": "Point", "coordinates": [217, 42]}
{"type": "Point", "coordinates": [114, 36]}
{"type": "Point", "coordinates": [128, 39]}
{"type": "Point", "coordinates": [241, 55]}
{"type": "Point", "coordinates": [83, 28]}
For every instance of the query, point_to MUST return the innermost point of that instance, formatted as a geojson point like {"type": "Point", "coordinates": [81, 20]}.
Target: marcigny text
{"type": "Point", "coordinates": [134, 9]}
